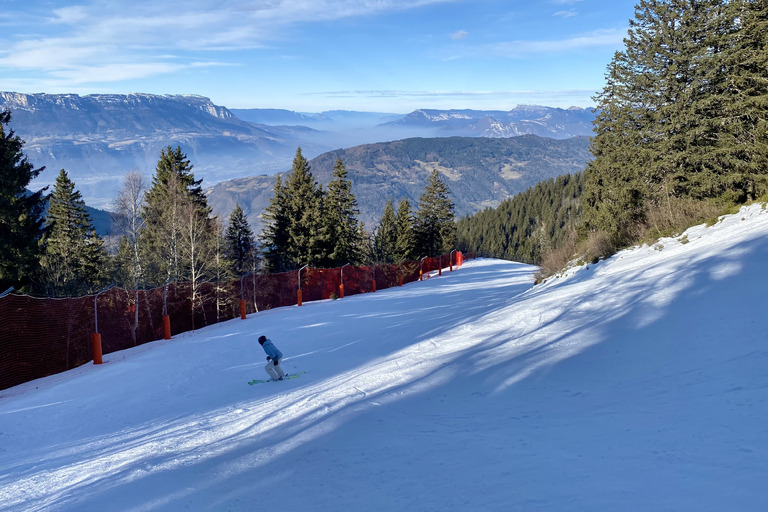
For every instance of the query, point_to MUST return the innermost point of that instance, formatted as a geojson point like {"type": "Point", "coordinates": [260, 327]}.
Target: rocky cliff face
{"type": "Point", "coordinates": [98, 138]}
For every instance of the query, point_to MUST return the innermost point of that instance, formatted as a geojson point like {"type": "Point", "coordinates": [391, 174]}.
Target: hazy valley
{"type": "Point", "coordinates": [237, 152]}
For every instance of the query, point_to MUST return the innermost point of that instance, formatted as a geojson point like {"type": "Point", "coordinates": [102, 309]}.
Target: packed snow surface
{"type": "Point", "coordinates": [636, 384]}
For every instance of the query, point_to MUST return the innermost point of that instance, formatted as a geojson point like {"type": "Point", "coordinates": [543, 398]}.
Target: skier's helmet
{"type": "Point", "coordinates": [262, 339]}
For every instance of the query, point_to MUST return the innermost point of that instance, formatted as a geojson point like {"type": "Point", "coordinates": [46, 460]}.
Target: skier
{"type": "Point", "coordinates": [274, 356]}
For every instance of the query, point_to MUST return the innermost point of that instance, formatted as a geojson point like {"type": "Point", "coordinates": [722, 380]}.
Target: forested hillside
{"type": "Point", "coordinates": [480, 172]}
{"type": "Point", "coordinates": [523, 228]}
{"type": "Point", "coordinates": [683, 118]}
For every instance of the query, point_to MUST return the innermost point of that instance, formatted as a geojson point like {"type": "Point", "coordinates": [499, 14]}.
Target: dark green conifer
{"type": "Point", "coordinates": [73, 255]}
{"type": "Point", "coordinates": [239, 243]}
{"type": "Point", "coordinates": [303, 196]}
{"type": "Point", "coordinates": [385, 241]}
{"type": "Point", "coordinates": [275, 237]}
{"type": "Point", "coordinates": [406, 240]}
{"type": "Point", "coordinates": [682, 116]}
{"type": "Point", "coordinates": [340, 215]}
{"type": "Point", "coordinates": [434, 224]}
{"type": "Point", "coordinates": [21, 212]}
{"type": "Point", "coordinates": [168, 202]}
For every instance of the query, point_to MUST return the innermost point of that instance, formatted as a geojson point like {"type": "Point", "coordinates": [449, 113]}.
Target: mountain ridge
{"type": "Point", "coordinates": [99, 138]}
{"type": "Point", "coordinates": [480, 172]}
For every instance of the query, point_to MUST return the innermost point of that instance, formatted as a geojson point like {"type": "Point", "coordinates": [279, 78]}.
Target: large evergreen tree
{"type": "Point", "coordinates": [275, 237]}
{"type": "Point", "coordinates": [385, 240]}
{"type": "Point", "coordinates": [303, 198]}
{"type": "Point", "coordinates": [166, 216]}
{"type": "Point", "coordinates": [73, 254]}
{"type": "Point", "coordinates": [682, 114]}
{"type": "Point", "coordinates": [21, 212]}
{"type": "Point", "coordinates": [405, 245]}
{"type": "Point", "coordinates": [434, 223]}
{"type": "Point", "coordinates": [239, 243]}
{"type": "Point", "coordinates": [340, 218]}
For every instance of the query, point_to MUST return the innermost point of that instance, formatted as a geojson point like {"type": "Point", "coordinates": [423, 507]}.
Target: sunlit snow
{"type": "Point", "coordinates": [636, 384]}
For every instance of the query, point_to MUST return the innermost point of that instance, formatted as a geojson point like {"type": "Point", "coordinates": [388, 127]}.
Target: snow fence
{"type": "Point", "coordinates": [44, 336]}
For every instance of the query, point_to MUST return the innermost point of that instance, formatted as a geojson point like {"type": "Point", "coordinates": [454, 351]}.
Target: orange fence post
{"type": "Point", "coordinates": [166, 327]}
{"type": "Point", "coordinates": [242, 295]}
{"type": "Point", "coordinates": [96, 345]}
{"type": "Point", "coordinates": [399, 279]}
{"type": "Point", "coordinates": [95, 336]}
{"type": "Point", "coordinates": [298, 293]}
{"type": "Point", "coordinates": [373, 286]}
{"type": "Point", "coordinates": [341, 290]}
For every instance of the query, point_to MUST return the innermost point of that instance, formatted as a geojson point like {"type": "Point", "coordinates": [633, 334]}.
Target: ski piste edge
{"type": "Point", "coordinates": [287, 377]}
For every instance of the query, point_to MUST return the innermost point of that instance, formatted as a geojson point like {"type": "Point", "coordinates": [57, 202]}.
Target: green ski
{"type": "Point", "coordinates": [262, 381]}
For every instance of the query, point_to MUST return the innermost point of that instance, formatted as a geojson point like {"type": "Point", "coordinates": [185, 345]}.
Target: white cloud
{"type": "Point", "coordinates": [460, 34]}
{"type": "Point", "coordinates": [566, 14]}
{"type": "Point", "coordinates": [95, 37]}
{"type": "Point", "coordinates": [527, 48]}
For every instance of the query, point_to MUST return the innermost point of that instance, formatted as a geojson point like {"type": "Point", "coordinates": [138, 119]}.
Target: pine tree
{"type": "Point", "coordinates": [385, 240]}
{"type": "Point", "coordinates": [275, 237]}
{"type": "Point", "coordinates": [21, 212]}
{"type": "Point", "coordinates": [320, 243]}
{"type": "Point", "coordinates": [303, 200]}
{"type": "Point", "coordinates": [614, 189]}
{"type": "Point", "coordinates": [173, 162]}
{"type": "Point", "coordinates": [364, 252]}
{"type": "Point", "coordinates": [167, 202]}
{"type": "Point", "coordinates": [239, 243]}
{"type": "Point", "coordinates": [434, 224]}
{"type": "Point", "coordinates": [683, 114]}
{"type": "Point", "coordinates": [73, 255]}
{"type": "Point", "coordinates": [740, 95]}
{"type": "Point", "coordinates": [340, 216]}
{"type": "Point", "coordinates": [406, 239]}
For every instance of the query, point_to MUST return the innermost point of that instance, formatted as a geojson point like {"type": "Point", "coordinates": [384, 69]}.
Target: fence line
{"type": "Point", "coordinates": [44, 336]}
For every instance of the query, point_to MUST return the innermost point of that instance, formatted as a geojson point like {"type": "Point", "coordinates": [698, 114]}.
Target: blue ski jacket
{"type": "Point", "coordinates": [272, 350]}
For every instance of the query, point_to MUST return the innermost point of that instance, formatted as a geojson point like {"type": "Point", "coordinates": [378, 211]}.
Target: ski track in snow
{"type": "Point", "coordinates": [638, 383]}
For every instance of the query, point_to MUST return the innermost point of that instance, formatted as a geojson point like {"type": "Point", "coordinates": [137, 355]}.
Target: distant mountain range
{"type": "Point", "coordinates": [480, 172]}
{"type": "Point", "coordinates": [99, 138]}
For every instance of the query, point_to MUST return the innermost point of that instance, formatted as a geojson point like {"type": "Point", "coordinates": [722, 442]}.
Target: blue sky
{"type": "Point", "coordinates": [315, 55]}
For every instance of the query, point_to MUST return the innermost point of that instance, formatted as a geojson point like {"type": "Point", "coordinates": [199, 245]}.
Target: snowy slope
{"type": "Point", "coordinates": [636, 384]}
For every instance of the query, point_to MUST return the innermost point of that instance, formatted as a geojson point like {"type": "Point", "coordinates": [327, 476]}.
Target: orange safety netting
{"type": "Point", "coordinates": [40, 337]}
